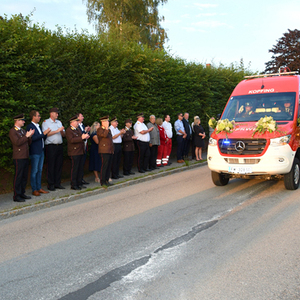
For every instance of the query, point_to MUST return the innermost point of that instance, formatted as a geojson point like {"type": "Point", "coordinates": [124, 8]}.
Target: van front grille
{"type": "Point", "coordinates": [242, 146]}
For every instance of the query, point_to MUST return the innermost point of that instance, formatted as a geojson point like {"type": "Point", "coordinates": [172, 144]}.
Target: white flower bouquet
{"type": "Point", "coordinates": [265, 124]}
{"type": "Point", "coordinates": [225, 125]}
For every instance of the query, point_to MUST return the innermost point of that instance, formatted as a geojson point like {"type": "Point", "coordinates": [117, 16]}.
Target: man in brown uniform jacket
{"type": "Point", "coordinates": [75, 140]}
{"type": "Point", "coordinates": [105, 149]}
{"type": "Point", "coordinates": [128, 148]}
{"type": "Point", "coordinates": [20, 140]}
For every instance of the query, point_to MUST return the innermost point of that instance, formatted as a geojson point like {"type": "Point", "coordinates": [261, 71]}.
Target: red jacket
{"type": "Point", "coordinates": [162, 135]}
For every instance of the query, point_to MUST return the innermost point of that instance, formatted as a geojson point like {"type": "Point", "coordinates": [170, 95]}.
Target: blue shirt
{"type": "Point", "coordinates": [178, 125]}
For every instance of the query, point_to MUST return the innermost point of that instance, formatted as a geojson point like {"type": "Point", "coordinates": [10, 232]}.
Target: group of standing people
{"type": "Point", "coordinates": [185, 133]}
{"type": "Point", "coordinates": [153, 141]}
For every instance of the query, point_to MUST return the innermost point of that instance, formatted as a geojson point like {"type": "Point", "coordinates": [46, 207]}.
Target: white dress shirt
{"type": "Point", "coordinates": [115, 131]}
{"type": "Point", "coordinates": [138, 127]}
{"type": "Point", "coordinates": [168, 129]}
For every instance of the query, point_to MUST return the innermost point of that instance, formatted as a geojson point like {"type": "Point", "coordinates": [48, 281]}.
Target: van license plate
{"type": "Point", "coordinates": [239, 170]}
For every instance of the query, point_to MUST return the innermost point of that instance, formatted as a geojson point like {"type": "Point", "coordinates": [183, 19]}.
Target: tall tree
{"type": "Point", "coordinates": [128, 20]}
{"type": "Point", "coordinates": [286, 53]}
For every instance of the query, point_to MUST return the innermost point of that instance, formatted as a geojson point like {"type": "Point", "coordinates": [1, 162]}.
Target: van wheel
{"type": "Point", "coordinates": [291, 179]}
{"type": "Point", "coordinates": [219, 179]}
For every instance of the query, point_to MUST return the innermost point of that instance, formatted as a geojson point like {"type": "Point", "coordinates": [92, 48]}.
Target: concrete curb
{"type": "Point", "coordinates": [100, 190]}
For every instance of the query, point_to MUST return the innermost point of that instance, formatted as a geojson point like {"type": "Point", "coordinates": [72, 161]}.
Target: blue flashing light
{"type": "Point", "coordinates": [227, 142]}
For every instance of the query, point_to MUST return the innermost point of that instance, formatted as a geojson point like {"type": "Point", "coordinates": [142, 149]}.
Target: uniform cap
{"type": "Point", "coordinates": [19, 117]}
{"type": "Point", "coordinates": [54, 109]}
{"type": "Point", "coordinates": [106, 118]}
{"type": "Point", "coordinates": [248, 104]}
{"type": "Point", "coordinates": [140, 115]}
{"type": "Point", "coordinates": [114, 119]}
{"type": "Point", "coordinates": [74, 118]}
{"type": "Point", "coordinates": [128, 121]}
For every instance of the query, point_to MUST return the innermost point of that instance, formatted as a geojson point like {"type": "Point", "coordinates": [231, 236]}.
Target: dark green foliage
{"type": "Point", "coordinates": [76, 72]}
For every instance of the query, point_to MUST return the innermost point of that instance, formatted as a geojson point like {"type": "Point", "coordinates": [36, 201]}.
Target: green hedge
{"type": "Point", "coordinates": [77, 72]}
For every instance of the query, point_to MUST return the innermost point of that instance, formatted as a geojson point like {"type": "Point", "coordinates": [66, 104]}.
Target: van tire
{"type": "Point", "coordinates": [291, 179]}
{"type": "Point", "coordinates": [219, 179]}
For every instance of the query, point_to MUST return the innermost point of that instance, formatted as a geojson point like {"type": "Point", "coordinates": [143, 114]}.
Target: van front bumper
{"type": "Point", "coordinates": [275, 161]}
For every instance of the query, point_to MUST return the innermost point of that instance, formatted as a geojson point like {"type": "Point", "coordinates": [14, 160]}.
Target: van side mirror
{"type": "Point", "coordinates": [298, 121]}
{"type": "Point", "coordinates": [218, 116]}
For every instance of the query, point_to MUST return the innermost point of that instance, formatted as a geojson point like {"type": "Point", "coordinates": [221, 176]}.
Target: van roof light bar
{"type": "Point", "coordinates": [271, 75]}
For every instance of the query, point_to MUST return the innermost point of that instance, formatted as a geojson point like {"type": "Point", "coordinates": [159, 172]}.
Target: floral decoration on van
{"type": "Point", "coordinates": [265, 124]}
{"type": "Point", "coordinates": [222, 125]}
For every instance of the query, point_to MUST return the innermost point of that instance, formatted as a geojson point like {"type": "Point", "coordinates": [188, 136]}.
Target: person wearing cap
{"type": "Point", "coordinates": [141, 131]}
{"type": "Point", "coordinates": [106, 150]}
{"type": "Point", "coordinates": [75, 140]}
{"type": "Point", "coordinates": [36, 153]}
{"type": "Point", "coordinates": [128, 148]}
{"type": "Point", "coordinates": [20, 140]}
{"type": "Point", "coordinates": [83, 129]}
{"type": "Point", "coordinates": [243, 113]}
{"type": "Point", "coordinates": [117, 143]}
{"type": "Point", "coordinates": [168, 129]}
{"type": "Point", "coordinates": [154, 142]}
{"type": "Point", "coordinates": [54, 149]}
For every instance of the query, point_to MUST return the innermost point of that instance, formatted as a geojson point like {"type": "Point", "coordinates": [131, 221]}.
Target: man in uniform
{"type": "Point", "coordinates": [20, 140]}
{"type": "Point", "coordinates": [117, 142]}
{"type": "Point", "coordinates": [105, 149]}
{"type": "Point", "coordinates": [76, 152]}
{"type": "Point", "coordinates": [128, 148]}
{"type": "Point", "coordinates": [36, 153]}
{"type": "Point", "coordinates": [143, 138]}
{"type": "Point", "coordinates": [168, 129]}
{"type": "Point", "coordinates": [54, 149]}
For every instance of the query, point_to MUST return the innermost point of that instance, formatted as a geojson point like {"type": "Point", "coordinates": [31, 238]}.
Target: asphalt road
{"type": "Point", "coordinates": [177, 237]}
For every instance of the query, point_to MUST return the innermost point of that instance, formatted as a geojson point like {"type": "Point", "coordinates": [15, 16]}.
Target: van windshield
{"type": "Point", "coordinates": [248, 108]}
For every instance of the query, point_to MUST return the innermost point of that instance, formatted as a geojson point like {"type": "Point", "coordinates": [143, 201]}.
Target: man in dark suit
{"type": "Point", "coordinates": [20, 140]}
{"type": "Point", "coordinates": [76, 152]}
{"type": "Point", "coordinates": [83, 129]}
{"type": "Point", "coordinates": [128, 148]}
{"type": "Point", "coordinates": [188, 130]}
{"type": "Point", "coordinates": [36, 153]}
{"type": "Point", "coordinates": [106, 150]}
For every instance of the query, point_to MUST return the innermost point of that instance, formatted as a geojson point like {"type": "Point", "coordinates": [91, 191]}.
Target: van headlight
{"type": "Point", "coordinates": [283, 140]}
{"type": "Point", "coordinates": [212, 142]}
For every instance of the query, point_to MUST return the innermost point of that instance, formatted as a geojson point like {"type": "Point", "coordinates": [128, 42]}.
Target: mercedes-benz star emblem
{"type": "Point", "coordinates": [240, 146]}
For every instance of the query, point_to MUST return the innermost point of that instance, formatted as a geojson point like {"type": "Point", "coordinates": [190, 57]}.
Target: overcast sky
{"type": "Point", "coordinates": [221, 31]}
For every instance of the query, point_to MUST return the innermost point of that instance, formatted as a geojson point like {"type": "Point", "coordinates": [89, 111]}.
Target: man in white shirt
{"type": "Point", "coordinates": [168, 129]}
{"type": "Point", "coordinates": [117, 142]}
{"type": "Point", "coordinates": [141, 131]}
{"type": "Point", "coordinates": [54, 149]}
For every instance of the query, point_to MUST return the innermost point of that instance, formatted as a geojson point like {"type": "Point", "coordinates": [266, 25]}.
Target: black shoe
{"type": "Point", "coordinates": [126, 174]}
{"type": "Point", "coordinates": [142, 171]}
{"type": "Point", "coordinates": [75, 187]}
{"type": "Point", "coordinates": [115, 177]}
{"type": "Point", "coordinates": [108, 183]}
{"type": "Point", "coordinates": [120, 176]}
{"type": "Point", "coordinates": [103, 184]}
{"type": "Point", "coordinates": [51, 188]}
{"type": "Point", "coordinates": [148, 170]}
{"type": "Point", "coordinates": [169, 163]}
{"type": "Point", "coordinates": [25, 196]}
{"type": "Point", "coordinates": [19, 199]}
{"type": "Point", "coordinates": [84, 182]}
{"type": "Point", "coordinates": [131, 173]}
{"type": "Point", "coordinates": [59, 187]}
{"type": "Point", "coordinates": [82, 186]}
